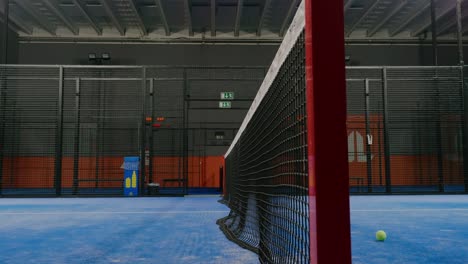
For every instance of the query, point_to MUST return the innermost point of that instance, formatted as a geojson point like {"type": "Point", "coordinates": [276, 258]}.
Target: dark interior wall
{"type": "Point", "coordinates": [401, 55]}
{"type": "Point", "coordinates": [2, 32]}
{"type": "Point", "coordinates": [239, 55]}
{"type": "Point", "coordinates": [147, 54]}
{"type": "Point", "coordinates": [8, 45]}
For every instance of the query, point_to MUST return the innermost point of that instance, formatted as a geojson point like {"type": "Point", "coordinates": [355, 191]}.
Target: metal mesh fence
{"type": "Point", "coordinates": [405, 126]}
{"type": "Point", "coordinates": [102, 118]}
{"type": "Point", "coordinates": [29, 107]}
{"type": "Point", "coordinates": [405, 129]}
{"type": "Point", "coordinates": [67, 129]}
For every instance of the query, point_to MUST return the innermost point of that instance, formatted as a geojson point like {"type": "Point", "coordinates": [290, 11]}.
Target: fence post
{"type": "Point", "coordinates": [221, 179]}
{"type": "Point", "coordinates": [464, 122]}
{"type": "Point", "coordinates": [143, 134]}
{"type": "Point", "coordinates": [3, 94]}
{"type": "Point", "coordinates": [388, 178]}
{"type": "Point", "coordinates": [186, 133]}
{"type": "Point", "coordinates": [59, 137]}
{"type": "Point", "coordinates": [368, 134]}
{"type": "Point", "coordinates": [76, 154]}
{"type": "Point", "coordinates": [151, 135]}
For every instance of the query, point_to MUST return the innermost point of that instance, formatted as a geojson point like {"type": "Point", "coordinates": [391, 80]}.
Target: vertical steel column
{"type": "Point", "coordinates": [460, 32]}
{"type": "Point", "coordinates": [440, 162]}
{"type": "Point", "coordinates": [59, 137]}
{"type": "Point", "coordinates": [151, 135]}
{"type": "Point", "coordinates": [434, 33]}
{"type": "Point", "coordinates": [6, 9]}
{"type": "Point", "coordinates": [76, 152]}
{"type": "Point", "coordinates": [368, 136]}
{"type": "Point", "coordinates": [143, 133]}
{"type": "Point", "coordinates": [388, 178]}
{"type": "Point", "coordinates": [6, 13]}
{"type": "Point", "coordinates": [327, 143]}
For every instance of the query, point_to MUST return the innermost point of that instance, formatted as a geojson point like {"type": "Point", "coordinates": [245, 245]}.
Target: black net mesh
{"type": "Point", "coordinates": [267, 180]}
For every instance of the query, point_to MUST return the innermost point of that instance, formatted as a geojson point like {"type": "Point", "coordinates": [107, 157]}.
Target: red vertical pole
{"type": "Point", "coordinates": [330, 238]}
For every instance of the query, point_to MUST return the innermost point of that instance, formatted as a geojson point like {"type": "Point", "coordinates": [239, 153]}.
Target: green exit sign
{"type": "Point", "coordinates": [225, 104]}
{"type": "Point", "coordinates": [227, 96]}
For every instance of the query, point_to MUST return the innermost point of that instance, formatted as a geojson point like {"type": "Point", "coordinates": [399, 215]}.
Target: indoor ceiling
{"type": "Point", "coordinates": [220, 20]}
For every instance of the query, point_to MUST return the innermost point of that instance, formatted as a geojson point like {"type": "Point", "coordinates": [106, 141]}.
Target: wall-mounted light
{"type": "Point", "coordinates": [94, 59]}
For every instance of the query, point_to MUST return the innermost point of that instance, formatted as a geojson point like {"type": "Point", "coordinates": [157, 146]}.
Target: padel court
{"type": "Point", "coordinates": [233, 131]}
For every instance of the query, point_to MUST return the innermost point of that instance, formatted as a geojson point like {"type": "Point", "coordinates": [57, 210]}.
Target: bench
{"type": "Point", "coordinates": [173, 180]}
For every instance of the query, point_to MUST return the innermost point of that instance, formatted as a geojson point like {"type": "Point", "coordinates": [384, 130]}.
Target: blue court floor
{"type": "Point", "coordinates": [421, 229]}
{"type": "Point", "coordinates": [116, 230]}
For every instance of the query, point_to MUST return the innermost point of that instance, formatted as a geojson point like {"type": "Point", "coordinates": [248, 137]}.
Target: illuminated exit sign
{"type": "Point", "coordinates": [224, 104]}
{"type": "Point", "coordinates": [227, 95]}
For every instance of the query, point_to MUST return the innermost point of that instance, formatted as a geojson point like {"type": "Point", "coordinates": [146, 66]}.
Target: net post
{"type": "Point", "coordinates": [327, 137]}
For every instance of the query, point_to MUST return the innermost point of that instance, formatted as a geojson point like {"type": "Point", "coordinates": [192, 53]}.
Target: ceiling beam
{"type": "Point", "coordinates": [410, 19]}
{"type": "Point", "coordinates": [84, 11]}
{"type": "Point", "coordinates": [43, 22]}
{"type": "Point", "coordinates": [444, 28]}
{"type": "Point", "coordinates": [464, 29]}
{"type": "Point", "coordinates": [347, 5]}
{"type": "Point", "coordinates": [162, 15]}
{"type": "Point", "coordinates": [213, 18]}
{"type": "Point", "coordinates": [288, 17]}
{"type": "Point", "coordinates": [140, 22]}
{"type": "Point", "coordinates": [15, 24]}
{"type": "Point", "coordinates": [426, 25]}
{"type": "Point", "coordinates": [377, 27]}
{"type": "Point", "coordinates": [262, 17]}
{"type": "Point", "coordinates": [188, 10]}
{"type": "Point", "coordinates": [364, 16]}
{"type": "Point", "coordinates": [59, 13]}
{"type": "Point", "coordinates": [21, 25]}
{"type": "Point", "coordinates": [107, 7]}
{"type": "Point", "coordinates": [240, 4]}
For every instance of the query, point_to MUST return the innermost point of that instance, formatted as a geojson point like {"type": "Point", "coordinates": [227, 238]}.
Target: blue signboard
{"type": "Point", "coordinates": [131, 172]}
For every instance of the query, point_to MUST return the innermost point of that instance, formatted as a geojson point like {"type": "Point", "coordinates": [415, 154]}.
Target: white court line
{"type": "Point", "coordinates": [109, 213]}
{"type": "Point", "coordinates": [208, 212]}
{"type": "Point", "coordinates": [412, 210]}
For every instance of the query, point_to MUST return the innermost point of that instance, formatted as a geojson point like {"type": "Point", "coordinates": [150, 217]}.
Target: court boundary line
{"type": "Point", "coordinates": [410, 210]}
{"type": "Point", "coordinates": [110, 213]}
